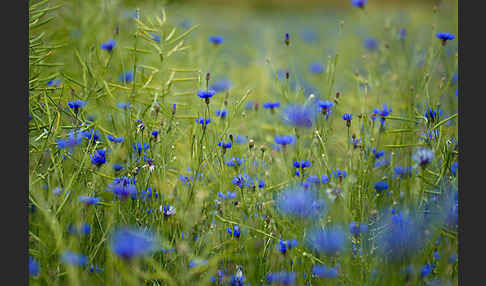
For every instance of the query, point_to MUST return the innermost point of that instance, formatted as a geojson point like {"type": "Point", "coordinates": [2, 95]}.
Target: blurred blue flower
{"type": "Point", "coordinates": [283, 277]}
{"type": "Point", "coordinates": [316, 67]}
{"type": "Point", "coordinates": [88, 200]}
{"type": "Point", "coordinates": [302, 164]}
{"type": "Point", "coordinates": [454, 168]}
{"type": "Point", "coordinates": [229, 195]}
{"type": "Point", "coordinates": [204, 122]}
{"type": "Point", "coordinates": [284, 245]}
{"type": "Point", "coordinates": [328, 241]}
{"type": "Point", "coordinates": [139, 148]}
{"type": "Point", "coordinates": [357, 228]}
{"type": "Point", "coordinates": [98, 158]}
{"type": "Point", "coordinates": [309, 36]}
{"type": "Point", "coordinates": [75, 259]}
{"type": "Point", "coordinates": [115, 139]}
{"type": "Point", "coordinates": [359, 3]}
{"type": "Point", "coordinates": [240, 139]}
{"type": "Point", "coordinates": [423, 156]}
{"type": "Point", "coordinates": [432, 114]}
{"type": "Point", "coordinates": [381, 186]}
{"type": "Point", "coordinates": [206, 93]}
{"type": "Point", "coordinates": [54, 82]}
{"type": "Point", "coordinates": [155, 37]}
{"type": "Point", "coordinates": [221, 113]}
{"type": "Point", "coordinates": [167, 210]}
{"type": "Point", "coordinates": [108, 45]}
{"type": "Point", "coordinates": [298, 115]}
{"type": "Point", "coordinates": [34, 268]}
{"type": "Point", "coordinates": [235, 161]}
{"type": "Point", "coordinates": [271, 105]}
{"type": "Point", "coordinates": [382, 113]}
{"type": "Point", "coordinates": [402, 34]}
{"type": "Point", "coordinates": [425, 271]}
{"type": "Point", "coordinates": [285, 140]}
{"type": "Point", "coordinates": [77, 104]}
{"type": "Point", "coordinates": [128, 243]}
{"type": "Point", "coordinates": [403, 172]}
{"type": "Point", "coordinates": [74, 139]}
{"type": "Point", "coordinates": [216, 39]}
{"type": "Point", "coordinates": [235, 231]}
{"type": "Point", "coordinates": [221, 85]}
{"type": "Point", "coordinates": [299, 202]}
{"type": "Point", "coordinates": [123, 105]}
{"type": "Point", "coordinates": [445, 37]}
{"type": "Point", "coordinates": [371, 44]}
{"type": "Point", "coordinates": [117, 167]}
{"type": "Point", "coordinates": [126, 77]}
{"type": "Point", "coordinates": [123, 187]}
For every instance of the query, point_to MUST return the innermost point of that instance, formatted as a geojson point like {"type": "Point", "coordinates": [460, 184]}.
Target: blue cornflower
{"type": "Point", "coordinates": [54, 82]}
{"type": "Point", "coordinates": [452, 258]}
{"type": "Point", "coordinates": [261, 184]}
{"type": "Point", "coordinates": [204, 122]}
{"type": "Point", "coordinates": [312, 179]}
{"type": "Point", "coordinates": [123, 105]}
{"type": "Point", "coordinates": [359, 3]}
{"type": "Point", "coordinates": [284, 245]}
{"type": "Point", "coordinates": [123, 187]}
{"type": "Point", "coordinates": [432, 114]}
{"type": "Point", "coordinates": [115, 139]}
{"type": "Point", "coordinates": [402, 34]}
{"type": "Point", "coordinates": [382, 113]}
{"type": "Point", "coordinates": [221, 113]}
{"type": "Point", "coordinates": [240, 139]}
{"type": "Point", "coordinates": [167, 210]}
{"type": "Point", "coordinates": [340, 174]}
{"type": "Point", "coordinates": [445, 37]}
{"type": "Point", "coordinates": [324, 179]}
{"type": "Point", "coordinates": [347, 117]}
{"type": "Point", "coordinates": [235, 161]}
{"type": "Point", "coordinates": [75, 259]}
{"type": "Point", "coordinates": [423, 156]}
{"type": "Point", "coordinates": [357, 228]}
{"type": "Point", "coordinates": [216, 39]}
{"type": "Point", "coordinates": [88, 200]}
{"type": "Point", "coordinates": [155, 37]}
{"type": "Point", "coordinates": [355, 142]}
{"type": "Point", "coordinates": [381, 186]}
{"type": "Point", "coordinates": [325, 106]}
{"type": "Point", "coordinates": [308, 35]}
{"type": "Point", "coordinates": [229, 195]}
{"type": "Point", "coordinates": [316, 68]}
{"type": "Point", "coordinates": [378, 153]}
{"type": "Point", "coordinates": [224, 145]}
{"type": "Point", "coordinates": [108, 45]}
{"type": "Point", "coordinates": [302, 164]}
{"type": "Point", "coordinates": [117, 167]}
{"type": "Point", "coordinates": [33, 267]}
{"type": "Point", "coordinates": [425, 271]}
{"type": "Point", "coordinates": [454, 78]}
{"type": "Point", "coordinates": [138, 147]}
{"type": "Point", "coordinates": [128, 243]}
{"type": "Point", "coordinates": [403, 172]}
{"type": "Point", "coordinates": [319, 270]}
{"type": "Point", "coordinates": [126, 77]}
{"type": "Point", "coordinates": [328, 241]}
{"type": "Point", "coordinates": [98, 158]}
{"type": "Point", "coordinates": [282, 277]}
{"type": "Point", "coordinates": [454, 168]}
{"type": "Point", "coordinates": [403, 235]}
{"type": "Point", "coordinates": [242, 180]}
{"type": "Point", "coordinates": [235, 231]}
{"type": "Point", "coordinates": [299, 202]}
{"type": "Point", "coordinates": [285, 140]}
{"type": "Point", "coordinates": [371, 44]}
{"type": "Point", "coordinates": [92, 134]}
{"type": "Point", "coordinates": [74, 139]}
{"type": "Point", "coordinates": [271, 105]}
{"type": "Point", "coordinates": [298, 115]}
{"type": "Point", "coordinates": [77, 104]}
{"type": "Point", "coordinates": [206, 93]}
{"type": "Point", "coordinates": [221, 85]}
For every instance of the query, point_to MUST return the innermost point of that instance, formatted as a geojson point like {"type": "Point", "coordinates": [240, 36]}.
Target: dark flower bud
{"type": "Point", "coordinates": [251, 143]}
{"type": "Point", "coordinates": [208, 76]}
{"type": "Point", "coordinates": [231, 137]}
{"type": "Point", "coordinates": [287, 75]}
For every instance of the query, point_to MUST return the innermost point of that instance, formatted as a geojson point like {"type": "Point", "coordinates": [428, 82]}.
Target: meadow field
{"type": "Point", "coordinates": [193, 143]}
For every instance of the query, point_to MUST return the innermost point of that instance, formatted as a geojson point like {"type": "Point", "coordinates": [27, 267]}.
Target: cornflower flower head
{"type": "Point", "coordinates": [328, 241]}
{"type": "Point", "coordinates": [357, 228]}
{"type": "Point", "coordinates": [92, 134]}
{"type": "Point", "coordinates": [73, 140]}
{"type": "Point", "coordinates": [402, 34]}
{"type": "Point", "coordinates": [206, 94]}
{"type": "Point", "coordinates": [282, 277]}
{"type": "Point", "coordinates": [271, 105]}
{"type": "Point", "coordinates": [128, 243]}
{"type": "Point", "coordinates": [221, 85]}
{"type": "Point", "coordinates": [454, 168]}
{"type": "Point", "coordinates": [54, 82]}
{"type": "Point", "coordinates": [155, 37]}
{"type": "Point", "coordinates": [423, 156]}
{"type": "Point", "coordinates": [98, 158]}
{"type": "Point", "coordinates": [430, 136]}
{"type": "Point", "coordinates": [126, 77]}
{"type": "Point", "coordinates": [425, 270]}
{"type": "Point", "coordinates": [229, 195]}
{"type": "Point", "coordinates": [325, 106]}
{"type": "Point", "coordinates": [204, 122]}
{"type": "Point", "coordinates": [340, 174]}
{"type": "Point", "coordinates": [284, 245]}
{"type": "Point", "coordinates": [359, 3]}
{"type": "Point", "coordinates": [403, 172]}
{"type": "Point", "coordinates": [302, 164]}
{"type": "Point", "coordinates": [242, 180]}
{"type": "Point", "coordinates": [371, 44]}
{"type": "Point", "coordinates": [347, 117]}
{"type": "Point", "coordinates": [221, 113]}
{"type": "Point", "coordinates": [240, 139]}
{"type": "Point", "coordinates": [323, 271]}
{"type": "Point", "coordinates": [216, 40]}
{"type": "Point", "coordinates": [155, 133]}
{"type": "Point", "coordinates": [298, 115]}
{"type": "Point", "coordinates": [74, 259]}
{"type": "Point", "coordinates": [261, 184]}
{"type": "Point", "coordinates": [123, 105]}
{"type": "Point", "coordinates": [34, 268]}
{"type": "Point", "coordinates": [381, 186]}
{"type": "Point", "coordinates": [224, 145]}
{"type": "Point", "coordinates": [382, 113]}
{"type": "Point", "coordinates": [325, 179]}
{"type": "Point", "coordinates": [444, 37]}
{"type": "Point", "coordinates": [299, 202]}
{"type": "Point", "coordinates": [167, 210]}
{"type": "Point", "coordinates": [123, 187]}
{"type": "Point", "coordinates": [117, 167]}
{"type": "Point", "coordinates": [403, 235]}
{"type": "Point", "coordinates": [238, 279]}
{"type": "Point", "coordinates": [355, 142]}
{"type": "Point", "coordinates": [432, 115]}
{"type": "Point", "coordinates": [316, 68]}
{"type": "Point", "coordinates": [76, 105]}
{"type": "Point", "coordinates": [88, 200]}
{"type": "Point", "coordinates": [139, 148]}
{"type": "Point", "coordinates": [108, 45]}
{"type": "Point", "coordinates": [115, 139]}
{"type": "Point", "coordinates": [235, 161]}
{"type": "Point", "coordinates": [140, 126]}
{"type": "Point", "coordinates": [378, 153]}
{"type": "Point", "coordinates": [284, 140]}
{"type": "Point", "coordinates": [235, 231]}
